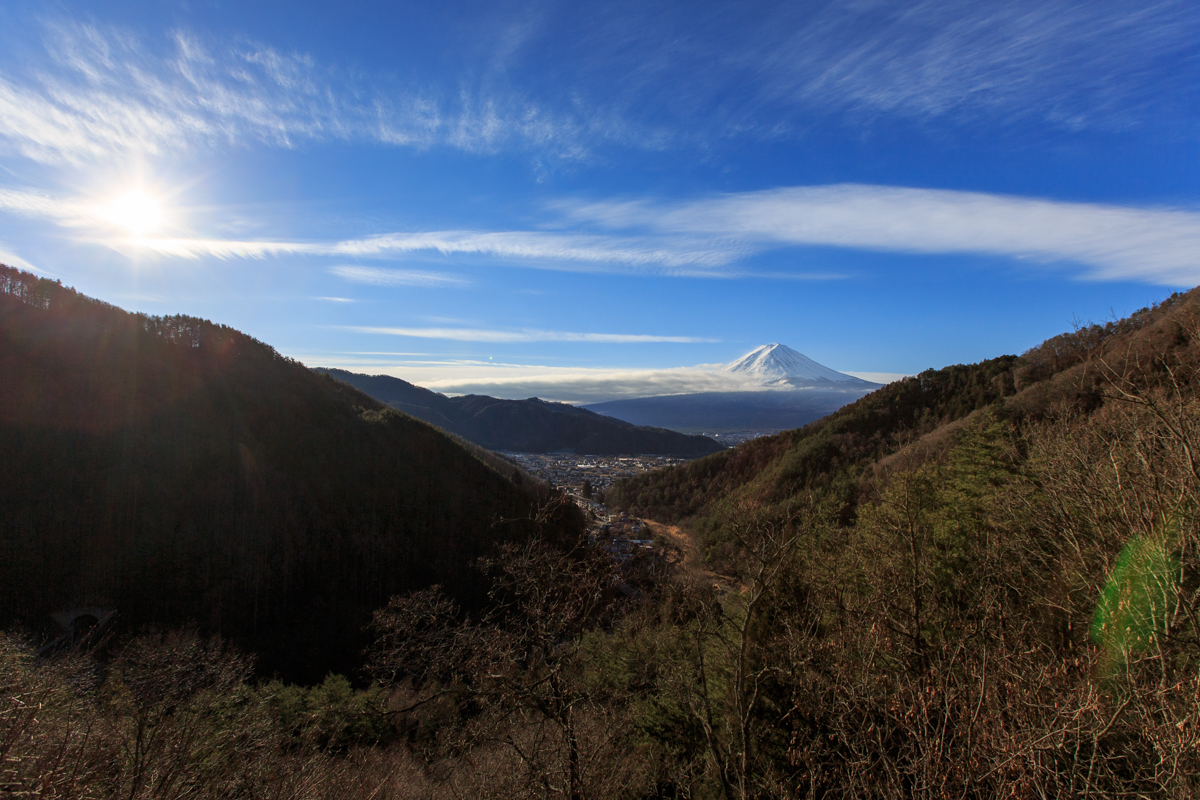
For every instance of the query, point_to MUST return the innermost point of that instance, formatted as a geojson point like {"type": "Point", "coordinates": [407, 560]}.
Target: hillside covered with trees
{"type": "Point", "coordinates": [981, 581]}
{"type": "Point", "coordinates": [183, 473]}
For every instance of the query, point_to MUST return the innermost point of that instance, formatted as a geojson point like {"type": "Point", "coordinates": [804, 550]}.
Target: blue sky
{"type": "Point", "coordinates": [585, 201]}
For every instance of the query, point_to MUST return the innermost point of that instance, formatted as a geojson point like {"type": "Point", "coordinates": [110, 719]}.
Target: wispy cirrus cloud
{"type": "Point", "coordinates": [1075, 65]}
{"type": "Point", "coordinates": [630, 78]}
{"type": "Point", "coordinates": [690, 256]}
{"type": "Point", "coordinates": [40, 205]}
{"type": "Point", "coordinates": [678, 77]}
{"type": "Point", "coordinates": [375, 276]}
{"type": "Point", "coordinates": [771, 69]}
{"type": "Point", "coordinates": [13, 260]}
{"type": "Point", "coordinates": [665, 252]}
{"type": "Point", "coordinates": [104, 92]}
{"type": "Point", "coordinates": [523, 335]}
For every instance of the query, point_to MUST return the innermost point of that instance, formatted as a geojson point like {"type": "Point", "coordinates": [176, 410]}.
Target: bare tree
{"type": "Point", "coordinates": [516, 673]}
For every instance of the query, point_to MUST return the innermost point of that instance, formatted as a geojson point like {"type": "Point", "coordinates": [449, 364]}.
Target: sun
{"type": "Point", "coordinates": [137, 212]}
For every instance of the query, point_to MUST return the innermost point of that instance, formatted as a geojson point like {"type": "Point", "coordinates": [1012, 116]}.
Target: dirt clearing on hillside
{"type": "Point", "coordinates": [692, 554]}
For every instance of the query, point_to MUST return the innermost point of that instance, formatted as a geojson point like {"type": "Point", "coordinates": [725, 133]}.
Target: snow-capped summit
{"type": "Point", "coordinates": [778, 364]}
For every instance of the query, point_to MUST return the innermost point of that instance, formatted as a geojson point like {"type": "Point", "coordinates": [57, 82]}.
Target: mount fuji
{"type": "Point", "coordinates": [780, 365]}
{"type": "Point", "coordinates": [779, 389]}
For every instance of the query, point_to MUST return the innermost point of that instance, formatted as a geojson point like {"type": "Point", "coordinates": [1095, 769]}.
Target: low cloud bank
{"type": "Point", "coordinates": [562, 384]}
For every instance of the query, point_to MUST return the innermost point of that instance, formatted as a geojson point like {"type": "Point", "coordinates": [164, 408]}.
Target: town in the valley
{"type": "Point", "coordinates": [585, 479]}
{"type": "Point", "coordinates": [586, 475]}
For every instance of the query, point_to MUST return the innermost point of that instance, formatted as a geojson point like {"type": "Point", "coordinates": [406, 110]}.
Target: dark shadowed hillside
{"type": "Point", "coordinates": [527, 426]}
{"type": "Point", "coordinates": [182, 472]}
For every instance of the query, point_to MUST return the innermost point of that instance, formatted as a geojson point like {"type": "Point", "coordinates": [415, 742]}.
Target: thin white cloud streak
{"type": "Point", "coordinates": [218, 248]}
{"type": "Point", "coordinates": [880, 377]}
{"type": "Point", "coordinates": [705, 238]}
{"type": "Point", "coordinates": [710, 236]}
{"type": "Point", "coordinates": [398, 277]}
{"type": "Point", "coordinates": [38, 205]}
{"type": "Point", "coordinates": [680, 256]}
{"type": "Point", "coordinates": [524, 335]}
{"type": "Point", "coordinates": [1155, 245]}
{"type": "Point", "coordinates": [673, 256]}
{"type": "Point", "coordinates": [14, 260]}
{"type": "Point", "coordinates": [657, 251]}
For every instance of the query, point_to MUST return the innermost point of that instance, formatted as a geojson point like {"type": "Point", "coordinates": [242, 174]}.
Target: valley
{"type": "Point", "coordinates": [361, 599]}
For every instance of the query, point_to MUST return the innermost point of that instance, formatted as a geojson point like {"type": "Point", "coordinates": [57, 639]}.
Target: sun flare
{"type": "Point", "coordinates": [137, 212]}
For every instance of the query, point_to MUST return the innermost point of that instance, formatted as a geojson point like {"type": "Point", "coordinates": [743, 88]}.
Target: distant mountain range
{"type": "Point", "coordinates": [527, 426]}
{"type": "Point", "coordinates": [795, 391]}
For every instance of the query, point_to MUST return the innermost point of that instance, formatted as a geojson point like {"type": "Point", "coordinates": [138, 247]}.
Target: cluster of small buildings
{"type": "Point", "coordinates": [569, 471]}
{"type": "Point", "coordinates": [621, 536]}
{"type": "Point", "coordinates": [734, 438]}
{"type": "Point", "coordinates": [585, 479]}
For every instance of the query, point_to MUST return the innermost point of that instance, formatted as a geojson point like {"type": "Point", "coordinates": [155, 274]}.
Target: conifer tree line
{"type": "Point", "coordinates": [979, 582]}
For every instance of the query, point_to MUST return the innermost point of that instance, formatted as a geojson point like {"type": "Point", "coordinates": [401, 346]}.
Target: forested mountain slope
{"type": "Point", "coordinates": [772, 467]}
{"type": "Point", "coordinates": [528, 426]}
{"type": "Point", "coordinates": [980, 582]}
{"type": "Point", "coordinates": [182, 472]}
{"type": "Point", "coordinates": [842, 448]}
